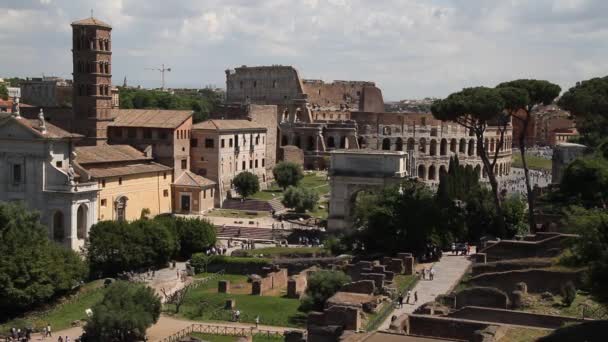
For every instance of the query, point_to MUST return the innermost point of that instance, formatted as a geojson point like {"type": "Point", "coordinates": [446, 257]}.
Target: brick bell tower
{"type": "Point", "coordinates": [92, 74]}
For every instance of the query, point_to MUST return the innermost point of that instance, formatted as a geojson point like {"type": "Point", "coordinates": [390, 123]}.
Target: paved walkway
{"type": "Point", "coordinates": [447, 273]}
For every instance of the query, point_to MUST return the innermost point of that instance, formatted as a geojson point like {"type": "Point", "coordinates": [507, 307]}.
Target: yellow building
{"type": "Point", "coordinates": [130, 182]}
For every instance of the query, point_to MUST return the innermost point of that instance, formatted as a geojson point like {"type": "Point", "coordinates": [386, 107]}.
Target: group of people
{"type": "Point", "coordinates": [461, 248]}
{"type": "Point", "coordinates": [217, 251]}
{"type": "Point", "coordinates": [407, 298]}
{"type": "Point", "coordinates": [516, 182]}
{"type": "Point", "coordinates": [25, 334]}
{"type": "Point", "coordinates": [306, 241]}
{"type": "Point", "coordinates": [428, 273]}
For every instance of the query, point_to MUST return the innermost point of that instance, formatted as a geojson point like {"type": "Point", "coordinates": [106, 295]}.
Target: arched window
{"type": "Point", "coordinates": [81, 221]}
{"type": "Point", "coordinates": [432, 172]}
{"type": "Point", "coordinates": [422, 145]}
{"type": "Point", "coordinates": [411, 144]}
{"type": "Point", "coordinates": [492, 145]}
{"type": "Point", "coordinates": [463, 146]}
{"type": "Point", "coordinates": [471, 147]}
{"type": "Point", "coordinates": [386, 144]}
{"type": "Point", "coordinates": [443, 147]}
{"type": "Point", "coordinates": [500, 170]}
{"type": "Point", "coordinates": [453, 145]}
{"type": "Point", "coordinates": [121, 208]}
{"type": "Point", "coordinates": [421, 172]}
{"type": "Point", "coordinates": [478, 171]}
{"type": "Point", "coordinates": [58, 228]}
{"type": "Point", "coordinates": [442, 170]}
{"type": "Point", "coordinates": [399, 145]}
{"type": "Point", "coordinates": [331, 143]}
{"type": "Point", "coordinates": [433, 150]}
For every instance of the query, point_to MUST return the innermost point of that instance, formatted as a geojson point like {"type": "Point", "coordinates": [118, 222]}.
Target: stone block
{"type": "Point", "coordinates": [292, 289]}
{"type": "Point", "coordinates": [408, 265]}
{"type": "Point", "coordinates": [378, 269]}
{"type": "Point", "coordinates": [389, 276]}
{"type": "Point", "coordinates": [394, 265]}
{"type": "Point", "coordinates": [404, 255]}
{"type": "Point", "coordinates": [377, 278]}
{"type": "Point", "coordinates": [364, 265]}
{"type": "Point", "coordinates": [362, 286]}
{"type": "Point", "coordinates": [347, 317]}
{"type": "Point", "coordinates": [230, 304]}
{"type": "Point", "coordinates": [521, 286]}
{"type": "Point", "coordinates": [480, 258]}
{"type": "Point", "coordinates": [223, 286]}
{"type": "Point", "coordinates": [256, 288]}
{"type": "Point", "coordinates": [294, 336]}
{"type": "Point", "coordinates": [489, 297]}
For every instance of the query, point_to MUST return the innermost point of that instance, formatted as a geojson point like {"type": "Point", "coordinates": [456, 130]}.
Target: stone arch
{"type": "Point", "coordinates": [453, 146]}
{"type": "Point", "coordinates": [421, 172]}
{"type": "Point", "coordinates": [311, 143]}
{"type": "Point", "coordinates": [442, 170]}
{"type": "Point", "coordinates": [284, 140]}
{"type": "Point", "coordinates": [463, 146]}
{"type": "Point", "coordinates": [500, 170]}
{"type": "Point", "coordinates": [411, 144]}
{"type": "Point", "coordinates": [82, 218]}
{"type": "Point", "coordinates": [342, 142]}
{"type": "Point", "coordinates": [422, 145]}
{"type": "Point", "coordinates": [386, 144]}
{"type": "Point", "coordinates": [478, 171]}
{"type": "Point", "coordinates": [492, 145]}
{"type": "Point", "coordinates": [58, 226]}
{"type": "Point", "coordinates": [285, 113]}
{"type": "Point", "coordinates": [298, 142]}
{"type": "Point", "coordinates": [433, 148]}
{"type": "Point", "coordinates": [121, 208]}
{"type": "Point", "coordinates": [362, 142]}
{"type": "Point", "coordinates": [471, 151]}
{"type": "Point", "coordinates": [443, 147]}
{"type": "Point", "coordinates": [331, 143]}
{"type": "Point", "coordinates": [432, 172]}
{"type": "Point", "coordinates": [399, 144]}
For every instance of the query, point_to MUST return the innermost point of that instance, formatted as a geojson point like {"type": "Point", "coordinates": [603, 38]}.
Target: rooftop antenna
{"type": "Point", "coordinates": [162, 70]}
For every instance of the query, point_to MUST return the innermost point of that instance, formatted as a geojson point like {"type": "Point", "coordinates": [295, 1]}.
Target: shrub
{"type": "Point", "coordinates": [246, 184]}
{"type": "Point", "coordinates": [195, 235]}
{"type": "Point", "coordinates": [200, 262]}
{"type": "Point", "coordinates": [321, 286]}
{"type": "Point", "coordinates": [301, 199]}
{"type": "Point", "coordinates": [126, 311]}
{"type": "Point", "coordinates": [287, 174]}
{"type": "Point", "coordinates": [568, 293]}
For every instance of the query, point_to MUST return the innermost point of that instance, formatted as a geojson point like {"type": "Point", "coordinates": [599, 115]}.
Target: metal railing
{"type": "Point", "coordinates": [225, 330]}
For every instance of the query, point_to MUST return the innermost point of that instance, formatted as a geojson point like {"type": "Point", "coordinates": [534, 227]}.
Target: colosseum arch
{"type": "Point", "coordinates": [443, 147]}
{"type": "Point", "coordinates": [422, 145]}
{"type": "Point", "coordinates": [433, 148]}
{"type": "Point", "coordinates": [411, 144]}
{"type": "Point", "coordinates": [284, 140]}
{"type": "Point", "coordinates": [422, 172]}
{"type": "Point", "coordinates": [343, 142]}
{"type": "Point", "coordinates": [297, 142]}
{"type": "Point", "coordinates": [453, 145]}
{"type": "Point", "coordinates": [399, 144]}
{"type": "Point", "coordinates": [478, 171]}
{"type": "Point", "coordinates": [471, 147]}
{"type": "Point", "coordinates": [386, 144]}
{"type": "Point", "coordinates": [442, 170]}
{"type": "Point", "coordinates": [311, 143]}
{"type": "Point", "coordinates": [432, 172]}
{"type": "Point", "coordinates": [331, 143]}
{"type": "Point", "coordinates": [463, 146]}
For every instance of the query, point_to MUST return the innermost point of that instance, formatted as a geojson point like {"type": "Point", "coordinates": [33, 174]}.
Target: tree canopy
{"type": "Point", "coordinates": [588, 102]}
{"type": "Point", "coordinates": [287, 174]}
{"type": "Point", "coordinates": [3, 92]}
{"type": "Point", "coordinates": [124, 314]}
{"type": "Point", "coordinates": [32, 268]}
{"type": "Point", "coordinates": [321, 286]}
{"type": "Point", "coordinates": [246, 184]}
{"type": "Point", "coordinates": [585, 181]}
{"type": "Point", "coordinates": [195, 235]}
{"type": "Point", "coordinates": [299, 198]}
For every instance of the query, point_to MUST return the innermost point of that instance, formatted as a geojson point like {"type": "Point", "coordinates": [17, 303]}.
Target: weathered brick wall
{"type": "Point", "coordinates": [537, 280]}
{"type": "Point", "coordinates": [442, 327]}
{"type": "Point", "coordinates": [347, 317]}
{"type": "Point", "coordinates": [482, 296]}
{"type": "Point", "coordinates": [511, 249]}
{"type": "Point", "coordinates": [362, 286]}
{"type": "Point", "coordinates": [503, 316]}
{"type": "Point", "coordinates": [272, 280]}
{"type": "Point", "coordinates": [296, 285]}
{"type": "Point", "coordinates": [292, 154]}
{"type": "Point", "coordinates": [510, 265]}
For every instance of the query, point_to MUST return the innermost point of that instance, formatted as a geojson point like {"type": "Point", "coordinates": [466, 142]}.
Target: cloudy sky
{"type": "Point", "coordinates": [410, 48]}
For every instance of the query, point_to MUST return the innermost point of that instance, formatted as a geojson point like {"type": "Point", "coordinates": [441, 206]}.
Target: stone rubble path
{"type": "Point", "coordinates": [448, 272]}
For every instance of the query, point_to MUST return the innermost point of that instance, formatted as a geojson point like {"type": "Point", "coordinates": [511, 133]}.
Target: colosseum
{"type": "Point", "coordinates": [317, 117]}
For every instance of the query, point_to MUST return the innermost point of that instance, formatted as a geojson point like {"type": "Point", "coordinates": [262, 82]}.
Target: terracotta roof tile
{"type": "Point", "coordinates": [154, 118]}
{"type": "Point", "coordinates": [91, 21]}
{"type": "Point", "coordinates": [108, 154]}
{"type": "Point", "coordinates": [52, 131]}
{"type": "Point", "coordinates": [131, 169]}
{"type": "Point", "coordinates": [228, 125]}
{"type": "Point", "coordinates": [189, 178]}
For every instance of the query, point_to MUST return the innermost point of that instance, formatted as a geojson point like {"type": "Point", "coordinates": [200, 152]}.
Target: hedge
{"type": "Point", "coordinates": [232, 265]}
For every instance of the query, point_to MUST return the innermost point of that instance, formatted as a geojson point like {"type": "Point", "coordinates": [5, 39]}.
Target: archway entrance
{"type": "Point", "coordinates": [121, 208]}
{"type": "Point", "coordinates": [58, 227]}
{"type": "Point", "coordinates": [81, 221]}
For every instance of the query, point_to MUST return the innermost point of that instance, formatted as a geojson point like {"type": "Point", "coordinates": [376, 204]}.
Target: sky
{"type": "Point", "coordinates": [410, 48]}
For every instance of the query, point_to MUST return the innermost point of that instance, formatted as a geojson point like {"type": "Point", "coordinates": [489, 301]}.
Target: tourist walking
{"type": "Point", "coordinates": [237, 315]}
{"type": "Point", "coordinates": [409, 294]}
{"type": "Point", "coordinates": [400, 301]}
{"type": "Point", "coordinates": [415, 296]}
{"type": "Point", "coordinates": [257, 321]}
{"type": "Point", "coordinates": [432, 273]}
{"type": "Point", "coordinates": [453, 248]}
{"type": "Point", "coordinates": [60, 339]}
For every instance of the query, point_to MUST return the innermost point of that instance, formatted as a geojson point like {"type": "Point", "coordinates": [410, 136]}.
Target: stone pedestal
{"type": "Point", "coordinates": [408, 265]}
{"type": "Point", "coordinates": [256, 288]}
{"type": "Point", "coordinates": [230, 304]}
{"type": "Point", "coordinates": [292, 289]}
{"type": "Point", "coordinates": [223, 286]}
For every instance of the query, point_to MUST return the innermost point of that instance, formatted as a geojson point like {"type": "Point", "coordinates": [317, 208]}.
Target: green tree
{"type": "Point", "coordinates": [585, 181]}
{"type": "Point", "coordinates": [124, 314]}
{"type": "Point", "coordinates": [301, 199]}
{"type": "Point", "coordinates": [475, 109]}
{"type": "Point", "coordinates": [195, 235]}
{"type": "Point", "coordinates": [3, 92]}
{"type": "Point", "coordinates": [246, 184]}
{"type": "Point", "coordinates": [287, 174]}
{"type": "Point", "coordinates": [321, 286]}
{"type": "Point", "coordinates": [32, 269]}
{"type": "Point", "coordinates": [587, 101]}
{"type": "Point", "coordinates": [521, 96]}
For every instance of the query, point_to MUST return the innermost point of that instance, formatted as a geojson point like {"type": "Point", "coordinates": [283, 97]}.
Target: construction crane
{"type": "Point", "coordinates": [162, 70]}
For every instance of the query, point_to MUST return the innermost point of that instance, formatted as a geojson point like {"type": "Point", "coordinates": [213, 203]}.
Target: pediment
{"type": "Point", "coordinates": [11, 129]}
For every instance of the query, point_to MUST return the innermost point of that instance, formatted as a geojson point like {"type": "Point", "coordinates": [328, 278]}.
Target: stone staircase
{"type": "Point", "coordinates": [247, 205]}
{"type": "Point", "coordinates": [277, 206]}
{"type": "Point", "coordinates": [249, 233]}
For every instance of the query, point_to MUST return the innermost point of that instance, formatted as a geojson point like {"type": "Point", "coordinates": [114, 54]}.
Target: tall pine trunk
{"type": "Point", "coordinates": [522, 151]}
{"type": "Point", "coordinates": [493, 183]}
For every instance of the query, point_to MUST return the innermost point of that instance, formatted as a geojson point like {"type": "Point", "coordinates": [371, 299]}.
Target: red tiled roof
{"type": "Point", "coordinates": [153, 118]}
{"type": "Point", "coordinates": [91, 22]}
{"type": "Point", "coordinates": [108, 154]}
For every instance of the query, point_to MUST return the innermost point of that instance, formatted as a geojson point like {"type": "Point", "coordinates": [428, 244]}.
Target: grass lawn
{"type": "Point", "coordinates": [237, 213]}
{"type": "Point", "coordinates": [523, 335]}
{"type": "Point", "coordinates": [281, 251]}
{"type": "Point", "coordinates": [317, 182]}
{"type": "Point", "coordinates": [320, 213]}
{"type": "Point", "coordinates": [61, 315]}
{"type": "Point", "coordinates": [224, 338]}
{"type": "Point", "coordinates": [405, 282]}
{"type": "Point", "coordinates": [205, 304]}
{"type": "Point", "coordinates": [534, 162]}
{"type": "Point", "coordinates": [534, 303]}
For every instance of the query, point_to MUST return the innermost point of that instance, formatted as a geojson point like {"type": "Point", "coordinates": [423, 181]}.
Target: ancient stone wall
{"type": "Point", "coordinates": [503, 316]}
{"type": "Point", "coordinates": [482, 296]}
{"type": "Point", "coordinates": [271, 281]}
{"type": "Point", "coordinates": [510, 265]}
{"type": "Point", "coordinates": [442, 327]}
{"type": "Point", "coordinates": [291, 154]}
{"type": "Point", "coordinates": [514, 249]}
{"type": "Point", "coordinates": [537, 280]}
{"type": "Point", "coordinates": [362, 286]}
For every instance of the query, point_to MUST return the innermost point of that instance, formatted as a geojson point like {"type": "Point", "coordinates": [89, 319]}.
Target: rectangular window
{"type": "Point", "coordinates": [17, 176]}
{"type": "Point", "coordinates": [103, 183]}
{"type": "Point", "coordinates": [164, 175]}
{"type": "Point", "coordinates": [251, 164]}
{"type": "Point", "coordinates": [184, 164]}
{"type": "Point", "coordinates": [119, 180]}
{"type": "Point", "coordinates": [222, 143]}
{"type": "Point", "coordinates": [244, 165]}
{"type": "Point", "coordinates": [204, 194]}
{"type": "Point", "coordinates": [163, 134]}
{"type": "Point", "coordinates": [256, 163]}
{"type": "Point", "coordinates": [208, 143]}
{"type": "Point", "coordinates": [203, 172]}
{"type": "Point", "coordinates": [59, 164]}
{"type": "Point", "coordinates": [193, 142]}
{"type": "Point", "coordinates": [263, 162]}
{"type": "Point", "coordinates": [104, 202]}
{"type": "Point", "coordinates": [230, 142]}
{"type": "Point", "coordinates": [165, 193]}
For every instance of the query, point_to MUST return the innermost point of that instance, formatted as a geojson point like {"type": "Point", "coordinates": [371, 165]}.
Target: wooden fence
{"type": "Point", "coordinates": [226, 330]}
